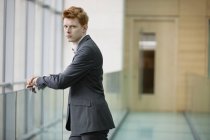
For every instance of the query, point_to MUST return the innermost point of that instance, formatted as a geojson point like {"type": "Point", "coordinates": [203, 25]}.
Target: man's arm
{"type": "Point", "coordinates": [82, 64]}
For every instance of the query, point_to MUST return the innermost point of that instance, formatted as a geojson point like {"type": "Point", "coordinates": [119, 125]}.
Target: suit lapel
{"type": "Point", "coordinates": [82, 41]}
{"type": "Point", "coordinates": [80, 44]}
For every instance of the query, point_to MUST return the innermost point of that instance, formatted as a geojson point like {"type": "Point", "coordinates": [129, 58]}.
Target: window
{"type": "Point", "coordinates": [147, 46]}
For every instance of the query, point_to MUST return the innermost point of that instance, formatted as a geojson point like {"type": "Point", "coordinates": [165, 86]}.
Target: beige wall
{"type": "Point", "coordinates": [192, 48]}
{"type": "Point", "coordinates": [192, 43]}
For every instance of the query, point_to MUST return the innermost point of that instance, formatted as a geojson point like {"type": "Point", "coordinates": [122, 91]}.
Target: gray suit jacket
{"type": "Point", "coordinates": [87, 109]}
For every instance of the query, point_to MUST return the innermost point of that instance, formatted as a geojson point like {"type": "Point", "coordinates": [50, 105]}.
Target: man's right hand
{"type": "Point", "coordinates": [31, 83]}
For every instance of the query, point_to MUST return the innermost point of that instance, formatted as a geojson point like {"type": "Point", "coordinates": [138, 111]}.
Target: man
{"type": "Point", "coordinates": [89, 117]}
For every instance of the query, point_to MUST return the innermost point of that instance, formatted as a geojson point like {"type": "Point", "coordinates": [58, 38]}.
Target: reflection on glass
{"type": "Point", "coordinates": [147, 45]}
{"type": "Point", "coordinates": [1, 116]}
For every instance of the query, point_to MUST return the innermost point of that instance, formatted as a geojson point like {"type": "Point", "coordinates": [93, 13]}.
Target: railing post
{"type": "Point", "coordinates": [8, 69]}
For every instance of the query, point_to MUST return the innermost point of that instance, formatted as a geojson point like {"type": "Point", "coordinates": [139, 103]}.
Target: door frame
{"type": "Point", "coordinates": [130, 54]}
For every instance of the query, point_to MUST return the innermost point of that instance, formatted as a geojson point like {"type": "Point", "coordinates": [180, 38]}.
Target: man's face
{"type": "Point", "coordinates": [73, 29]}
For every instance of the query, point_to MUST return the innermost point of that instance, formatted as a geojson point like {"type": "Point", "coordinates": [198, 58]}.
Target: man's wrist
{"type": "Point", "coordinates": [35, 81]}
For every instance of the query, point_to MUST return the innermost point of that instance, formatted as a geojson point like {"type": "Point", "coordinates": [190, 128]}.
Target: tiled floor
{"type": "Point", "coordinates": [154, 126]}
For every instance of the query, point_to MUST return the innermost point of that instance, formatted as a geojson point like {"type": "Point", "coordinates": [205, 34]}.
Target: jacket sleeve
{"type": "Point", "coordinates": [82, 63]}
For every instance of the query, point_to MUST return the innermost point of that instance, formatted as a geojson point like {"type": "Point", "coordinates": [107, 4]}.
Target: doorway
{"type": "Point", "coordinates": [154, 52]}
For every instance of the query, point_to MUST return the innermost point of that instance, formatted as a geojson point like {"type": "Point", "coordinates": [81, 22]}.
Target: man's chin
{"type": "Point", "coordinates": [70, 40]}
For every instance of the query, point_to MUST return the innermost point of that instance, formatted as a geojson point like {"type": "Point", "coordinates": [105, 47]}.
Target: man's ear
{"type": "Point", "coordinates": [85, 27]}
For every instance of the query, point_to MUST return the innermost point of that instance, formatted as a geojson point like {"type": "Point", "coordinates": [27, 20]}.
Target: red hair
{"type": "Point", "coordinates": [76, 12]}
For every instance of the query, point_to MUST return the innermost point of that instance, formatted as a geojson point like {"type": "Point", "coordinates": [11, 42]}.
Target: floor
{"type": "Point", "coordinates": [154, 126]}
{"type": "Point", "coordinates": [148, 126]}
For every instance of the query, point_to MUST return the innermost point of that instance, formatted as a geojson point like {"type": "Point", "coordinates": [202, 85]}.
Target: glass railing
{"type": "Point", "coordinates": [198, 107]}
{"type": "Point", "coordinates": [7, 116]}
{"type": "Point", "coordinates": [42, 116]}
{"type": "Point", "coordinates": [116, 98]}
{"type": "Point", "coordinates": [31, 116]}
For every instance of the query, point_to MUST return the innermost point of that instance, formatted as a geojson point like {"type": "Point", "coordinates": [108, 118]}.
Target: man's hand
{"type": "Point", "coordinates": [31, 83]}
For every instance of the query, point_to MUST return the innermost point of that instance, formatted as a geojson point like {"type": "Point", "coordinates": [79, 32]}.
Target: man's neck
{"type": "Point", "coordinates": [76, 43]}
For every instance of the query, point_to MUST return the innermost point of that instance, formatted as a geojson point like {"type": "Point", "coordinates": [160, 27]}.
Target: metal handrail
{"type": "Point", "coordinates": [12, 84]}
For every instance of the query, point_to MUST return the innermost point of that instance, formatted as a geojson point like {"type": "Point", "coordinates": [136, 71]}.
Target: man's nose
{"type": "Point", "coordinates": [68, 30]}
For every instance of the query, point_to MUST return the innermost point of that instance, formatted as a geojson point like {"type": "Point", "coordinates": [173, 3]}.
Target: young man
{"type": "Point", "coordinates": [89, 117]}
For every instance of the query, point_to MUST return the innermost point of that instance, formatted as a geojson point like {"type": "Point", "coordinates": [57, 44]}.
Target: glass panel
{"type": "Point", "coordinates": [2, 18]}
{"type": "Point", "coordinates": [39, 115]}
{"type": "Point", "coordinates": [112, 82]}
{"type": "Point", "coordinates": [53, 112]}
{"type": "Point", "coordinates": [198, 109]}
{"type": "Point", "coordinates": [115, 98]}
{"type": "Point", "coordinates": [147, 45]}
{"type": "Point", "coordinates": [1, 116]}
{"type": "Point", "coordinates": [21, 116]}
{"type": "Point", "coordinates": [7, 115]}
{"type": "Point", "coordinates": [30, 29]}
{"type": "Point", "coordinates": [58, 42]}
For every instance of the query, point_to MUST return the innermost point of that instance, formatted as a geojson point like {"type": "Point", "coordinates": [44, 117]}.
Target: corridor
{"type": "Point", "coordinates": [156, 61]}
